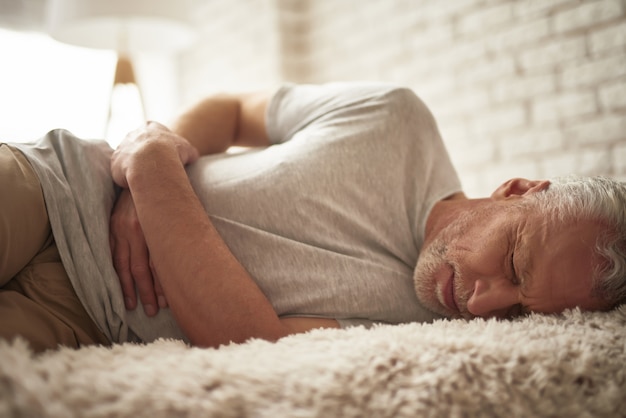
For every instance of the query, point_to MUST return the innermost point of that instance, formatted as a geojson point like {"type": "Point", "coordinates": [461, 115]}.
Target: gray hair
{"type": "Point", "coordinates": [602, 200]}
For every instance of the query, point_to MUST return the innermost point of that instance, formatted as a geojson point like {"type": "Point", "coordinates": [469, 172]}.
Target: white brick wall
{"type": "Point", "coordinates": [529, 88]}
{"type": "Point", "coordinates": [237, 48]}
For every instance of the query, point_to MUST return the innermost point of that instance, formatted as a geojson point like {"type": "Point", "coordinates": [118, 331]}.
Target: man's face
{"type": "Point", "coordinates": [501, 260]}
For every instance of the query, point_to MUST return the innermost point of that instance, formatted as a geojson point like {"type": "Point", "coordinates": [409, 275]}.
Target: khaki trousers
{"type": "Point", "coordinates": [37, 300]}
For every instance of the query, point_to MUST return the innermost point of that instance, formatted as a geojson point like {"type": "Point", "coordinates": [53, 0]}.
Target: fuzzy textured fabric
{"type": "Point", "coordinates": [572, 365]}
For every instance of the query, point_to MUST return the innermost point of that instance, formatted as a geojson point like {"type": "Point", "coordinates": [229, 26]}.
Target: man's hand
{"type": "Point", "coordinates": [130, 154]}
{"type": "Point", "coordinates": [132, 259]}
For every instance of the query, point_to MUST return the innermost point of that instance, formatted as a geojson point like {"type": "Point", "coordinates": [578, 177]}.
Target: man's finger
{"type": "Point", "coordinates": [121, 262]}
{"type": "Point", "coordinates": [158, 289]}
{"type": "Point", "coordinates": [142, 275]}
{"type": "Point", "coordinates": [145, 288]}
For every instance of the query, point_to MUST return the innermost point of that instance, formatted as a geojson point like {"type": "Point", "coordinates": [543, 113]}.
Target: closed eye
{"type": "Point", "coordinates": [514, 277]}
{"type": "Point", "coordinates": [517, 309]}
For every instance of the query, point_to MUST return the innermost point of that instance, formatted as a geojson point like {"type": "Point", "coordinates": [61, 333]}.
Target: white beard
{"type": "Point", "coordinates": [431, 258]}
{"type": "Point", "coordinates": [429, 261]}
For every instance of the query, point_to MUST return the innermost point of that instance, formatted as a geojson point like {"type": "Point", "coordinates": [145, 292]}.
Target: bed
{"type": "Point", "coordinates": [571, 365]}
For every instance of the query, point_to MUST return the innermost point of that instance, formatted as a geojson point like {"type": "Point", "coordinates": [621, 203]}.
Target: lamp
{"type": "Point", "coordinates": [122, 25]}
{"type": "Point", "coordinates": [126, 26]}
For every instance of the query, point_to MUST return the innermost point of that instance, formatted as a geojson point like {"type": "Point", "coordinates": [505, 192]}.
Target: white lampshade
{"type": "Point", "coordinates": [122, 25]}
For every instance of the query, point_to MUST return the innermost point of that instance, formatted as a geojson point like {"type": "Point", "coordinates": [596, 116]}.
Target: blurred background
{"type": "Point", "coordinates": [531, 88]}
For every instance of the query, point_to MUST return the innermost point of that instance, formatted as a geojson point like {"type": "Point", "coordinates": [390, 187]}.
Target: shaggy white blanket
{"type": "Point", "coordinates": [567, 366]}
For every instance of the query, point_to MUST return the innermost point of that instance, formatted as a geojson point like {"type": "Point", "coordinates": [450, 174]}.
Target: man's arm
{"type": "Point", "coordinates": [212, 126]}
{"type": "Point", "coordinates": [219, 122]}
{"type": "Point", "coordinates": [211, 295]}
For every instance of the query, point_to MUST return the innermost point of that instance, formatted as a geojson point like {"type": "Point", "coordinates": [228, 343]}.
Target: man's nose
{"type": "Point", "coordinates": [493, 297]}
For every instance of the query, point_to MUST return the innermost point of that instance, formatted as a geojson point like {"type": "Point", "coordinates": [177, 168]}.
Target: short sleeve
{"type": "Point", "coordinates": [295, 107]}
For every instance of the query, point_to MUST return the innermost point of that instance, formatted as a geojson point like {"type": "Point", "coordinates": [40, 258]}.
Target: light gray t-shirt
{"type": "Point", "coordinates": [328, 221]}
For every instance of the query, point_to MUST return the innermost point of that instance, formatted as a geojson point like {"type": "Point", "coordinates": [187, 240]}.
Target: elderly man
{"type": "Point", "coordinates": [320, 224]}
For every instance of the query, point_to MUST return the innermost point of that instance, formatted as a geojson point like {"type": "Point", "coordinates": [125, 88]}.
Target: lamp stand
{"type": "Point", "coordinates": [124, 78]}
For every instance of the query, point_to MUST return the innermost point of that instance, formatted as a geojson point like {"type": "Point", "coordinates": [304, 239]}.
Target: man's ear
{"type": "Point", "coordinates": [519, 187]}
